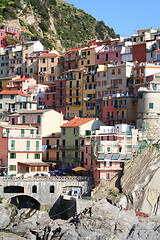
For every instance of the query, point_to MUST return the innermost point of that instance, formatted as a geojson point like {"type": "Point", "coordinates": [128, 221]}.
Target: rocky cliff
{"type": "Point", "coordinates": [140, 182]}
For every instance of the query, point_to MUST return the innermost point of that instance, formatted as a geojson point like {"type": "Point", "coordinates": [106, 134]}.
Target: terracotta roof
{"type": "Point", "coordinates": [17, 92]}
{"type": "Point", "coordinates": [72, 50]}
{"type": "Point", "coordinates": [48, 55]}
{"type": "Point", "coordinates": [77, 122]}
{"type": "Point", "coordinates": [18, 79]}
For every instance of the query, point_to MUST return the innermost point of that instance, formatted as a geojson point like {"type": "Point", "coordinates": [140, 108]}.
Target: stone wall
{"type": "Point", "coordinates": [43, 195]}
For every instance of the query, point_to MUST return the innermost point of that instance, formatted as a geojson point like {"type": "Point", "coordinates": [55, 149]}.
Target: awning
{"type": "Point", "coordinates": [34, 163]}
{"type": "Point", "coordinates": [79, 169]}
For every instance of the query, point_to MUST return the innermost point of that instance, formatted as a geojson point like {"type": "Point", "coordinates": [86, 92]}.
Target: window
{"type": "Point", "coordinates": [104, 74]}
{"type": "Point", "coordinates": [76, 154]}
{"type": "Point", "coordinates": [31, 70]}
{"type": "Point", "coordinates": [86, 161]}
{"type": "Point", "coordinates": [1, 96]}
{"type": "Point", "coordinates": [38, 119]}
{"type": "Point", "coordinates": [34, 189]}
{"type": "Point", "coordinates": [113, 71]}
{"type": "Point", "coordinates": [32, 60]}
{"type": "Point", "coordinates": [86, 149]}
{"type": "Point", "coordinates": [37, 156]}
{"type": "Point", "coordinates": [28, 145]}
{"type": "Point", "coordinates": [12, 155]}
{"type": "Point", "coordinates": [80, 75]}
{"type": "Point", "coordinates": [43, 60]}
{"type": "Point", "coordinates": [47, 155]}
{"type": "Point", "coordinates": [26, 47]}
{"type": "Point", "coordinates": [12, 167]}
{"type": "Point", "coordinates": [106, 56]}
{"type": "Point", "coordinates": [82, 62]}
{"type": "Point", "coordinates": [12, 144]}
{"type": "Point", "coordinates": [119, 71]}
{"type": "Point", "coordinates": [116, 54]}
{"type": "Point", "coordinates": [64, 142]}
{"type": "Point", "coordinates": [23, 119]}
{"type": "Point", "coordinates": [37, 145]}
{"type": "Point", "coordinates": [0, 105]}
{"type": "Point", "coordinates": [88, 61]}
{"type": "Point", "coordinates": [12, 96]}
{"type": "Point", "coordinates": [57, 155]}
{"type": "Point", "coordinates": [52, 60]}
{"type": "Point", "coordinates": [88, 53]}
{"type": "Point", "coordinates": [22, 132]}
{"type": "Point", "coordinates": [97, 56]}
{"type": "Point", "coordinates": [108, 149]}
{"type": "Point", "coordinates": [63, 131]}
{"type": "Point", "coordinates": [51, 189]}
{"type": "Point", "coordinates": [110, 164]}
{"type": "Point", "coordinates": [150, 105]}
{"type": "Point", "coordinates": [52, 69]}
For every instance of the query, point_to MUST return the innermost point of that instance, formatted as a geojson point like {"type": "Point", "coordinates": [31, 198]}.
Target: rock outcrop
{"type": "Point", "coordinates": [140, 182]}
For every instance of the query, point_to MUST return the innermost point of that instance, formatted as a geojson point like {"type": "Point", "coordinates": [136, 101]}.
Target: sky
{"type": "Point", "coordinates": [123, 16]}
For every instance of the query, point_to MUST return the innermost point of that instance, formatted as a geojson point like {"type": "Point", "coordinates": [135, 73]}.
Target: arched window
{"type": "Point", "coordinates": [51, 189]}
{"type": "Point", "coordinates": [34, 189]}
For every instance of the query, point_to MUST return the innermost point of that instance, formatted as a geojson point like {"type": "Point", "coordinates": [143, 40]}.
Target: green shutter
{"type": "Point", "coordinates": [38, 119]}
{"type": "Point", "coordinates": [27, 155]}
{"type": "Point", "coordinates": [28, 145]}
{"type": "Point", "coordinates": [35, 156]}
{"type": "Point", "coordinates": [10, 167]}
{"type": "Point", "coordinates": [14, 167]}
{"type": "Point", "coordinates": [37, 145]}
{"type": "Point", "coordinates": [32, 131]}
{"type": "Point", "coordinates": [22, 130]}
{"type": "Point", "coordinates": [23, 119]}
{"type": "Point", "coordinates": [38, 156]}
{"type": "Point", "coordinates": [15, 155]}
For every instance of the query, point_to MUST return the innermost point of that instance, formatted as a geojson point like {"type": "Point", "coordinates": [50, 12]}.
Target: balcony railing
{"type": "Point", "coordinates": [71, 59]}
{"type": "Point", "coordinates": [113, 86]}
{"type": "Point", "coordinates": [120, 106]}
{"type": "Point", "coordinates": [27, 150]}
{"type": "Point", "coordinates": [19, 135]}
{"type": "Point", "coordinates": [54, 147]}
{"type": "Point", "coordinates": [59, 96]}
{"type": "Point", "coordinates": [73, 86]}
{"type": "Point", "coordinates": [70, 147]}
{"type": "Point", "coordinates": [73, 95]}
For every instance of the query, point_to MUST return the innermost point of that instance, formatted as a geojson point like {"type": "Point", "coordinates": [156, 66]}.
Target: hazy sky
{"type": "Point", "coordinates": [125, 17]}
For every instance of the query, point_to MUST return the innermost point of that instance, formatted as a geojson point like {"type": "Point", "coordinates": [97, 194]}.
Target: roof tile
{"type": "Point", "coordinates": [77, 122]}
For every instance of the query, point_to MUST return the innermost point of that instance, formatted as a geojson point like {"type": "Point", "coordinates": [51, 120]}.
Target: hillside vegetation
{"type": "Point", "coordinates": [54, 22]}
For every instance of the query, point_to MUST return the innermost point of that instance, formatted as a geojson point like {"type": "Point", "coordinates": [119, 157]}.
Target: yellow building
{"type": "Point", "coordinates": [74, 93]}
{"type": "Point", "coordinates": [87, 61]}
{"type": "Point", "coordinates": [71, 135]}
{"type": "Point", "coordinates": [50, 67]}
{"type": "Point", "coordinates": [52, 154]}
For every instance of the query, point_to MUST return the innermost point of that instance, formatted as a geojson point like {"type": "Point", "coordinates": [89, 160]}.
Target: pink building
{"type": "Point", "coordinates": [109, 53]}
{"type": "Point", "coordinates": [10, 33]}
{"type": "Point", "coordinates": [21, 150]}
{"type": "Point", "coordinates": [106, 152]}
{"type": "Point", "coordinates": [23, 84]}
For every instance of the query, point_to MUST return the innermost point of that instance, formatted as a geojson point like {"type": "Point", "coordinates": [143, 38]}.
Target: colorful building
{"type": "Point", "coordinates": [50, 67]}
{"type": "Point", "coordinates": [7, 33]}
{"type": "Point", "coordinates": [21, 150]}
{"type": "Point", "coordinates": [53, 154]}
{"type": "Point", "coordinates": [71, 136]}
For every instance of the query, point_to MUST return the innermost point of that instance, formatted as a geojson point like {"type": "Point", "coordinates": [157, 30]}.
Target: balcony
{"type": "Point", "coordinates": [120, 106]}
{"type": "Point", "coordinates": [12, 65]}
{"type": "Point", "coordinates": [59, 87]}
{"type": "Point", "coordinates": [93, 72]}
{"type": "Point", "coordinates": [73, 86]}
{"type": "Point", "coordinates": [59, 96]}
{"type": "Point", "coordinates": [73, 95]}
{"type": "Point", "coordinates": [71, 59]}
{"type": "Point", "coordinates": [70, 147]}
{"type": "Point", "coordinates": [113, 86]}
{"type": "Point", "coordinates": [60, 105]}
{"type": "Point", "coordinates": [77, 103]}
{"type": "Point", "coordinates": [19, 135]}
{"type": "Point", "coordinates": [54, 147]}
{"type": "Point", "coordinates": [67, 158]}
{"type": "Point", "coordinates": [27, 150]}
